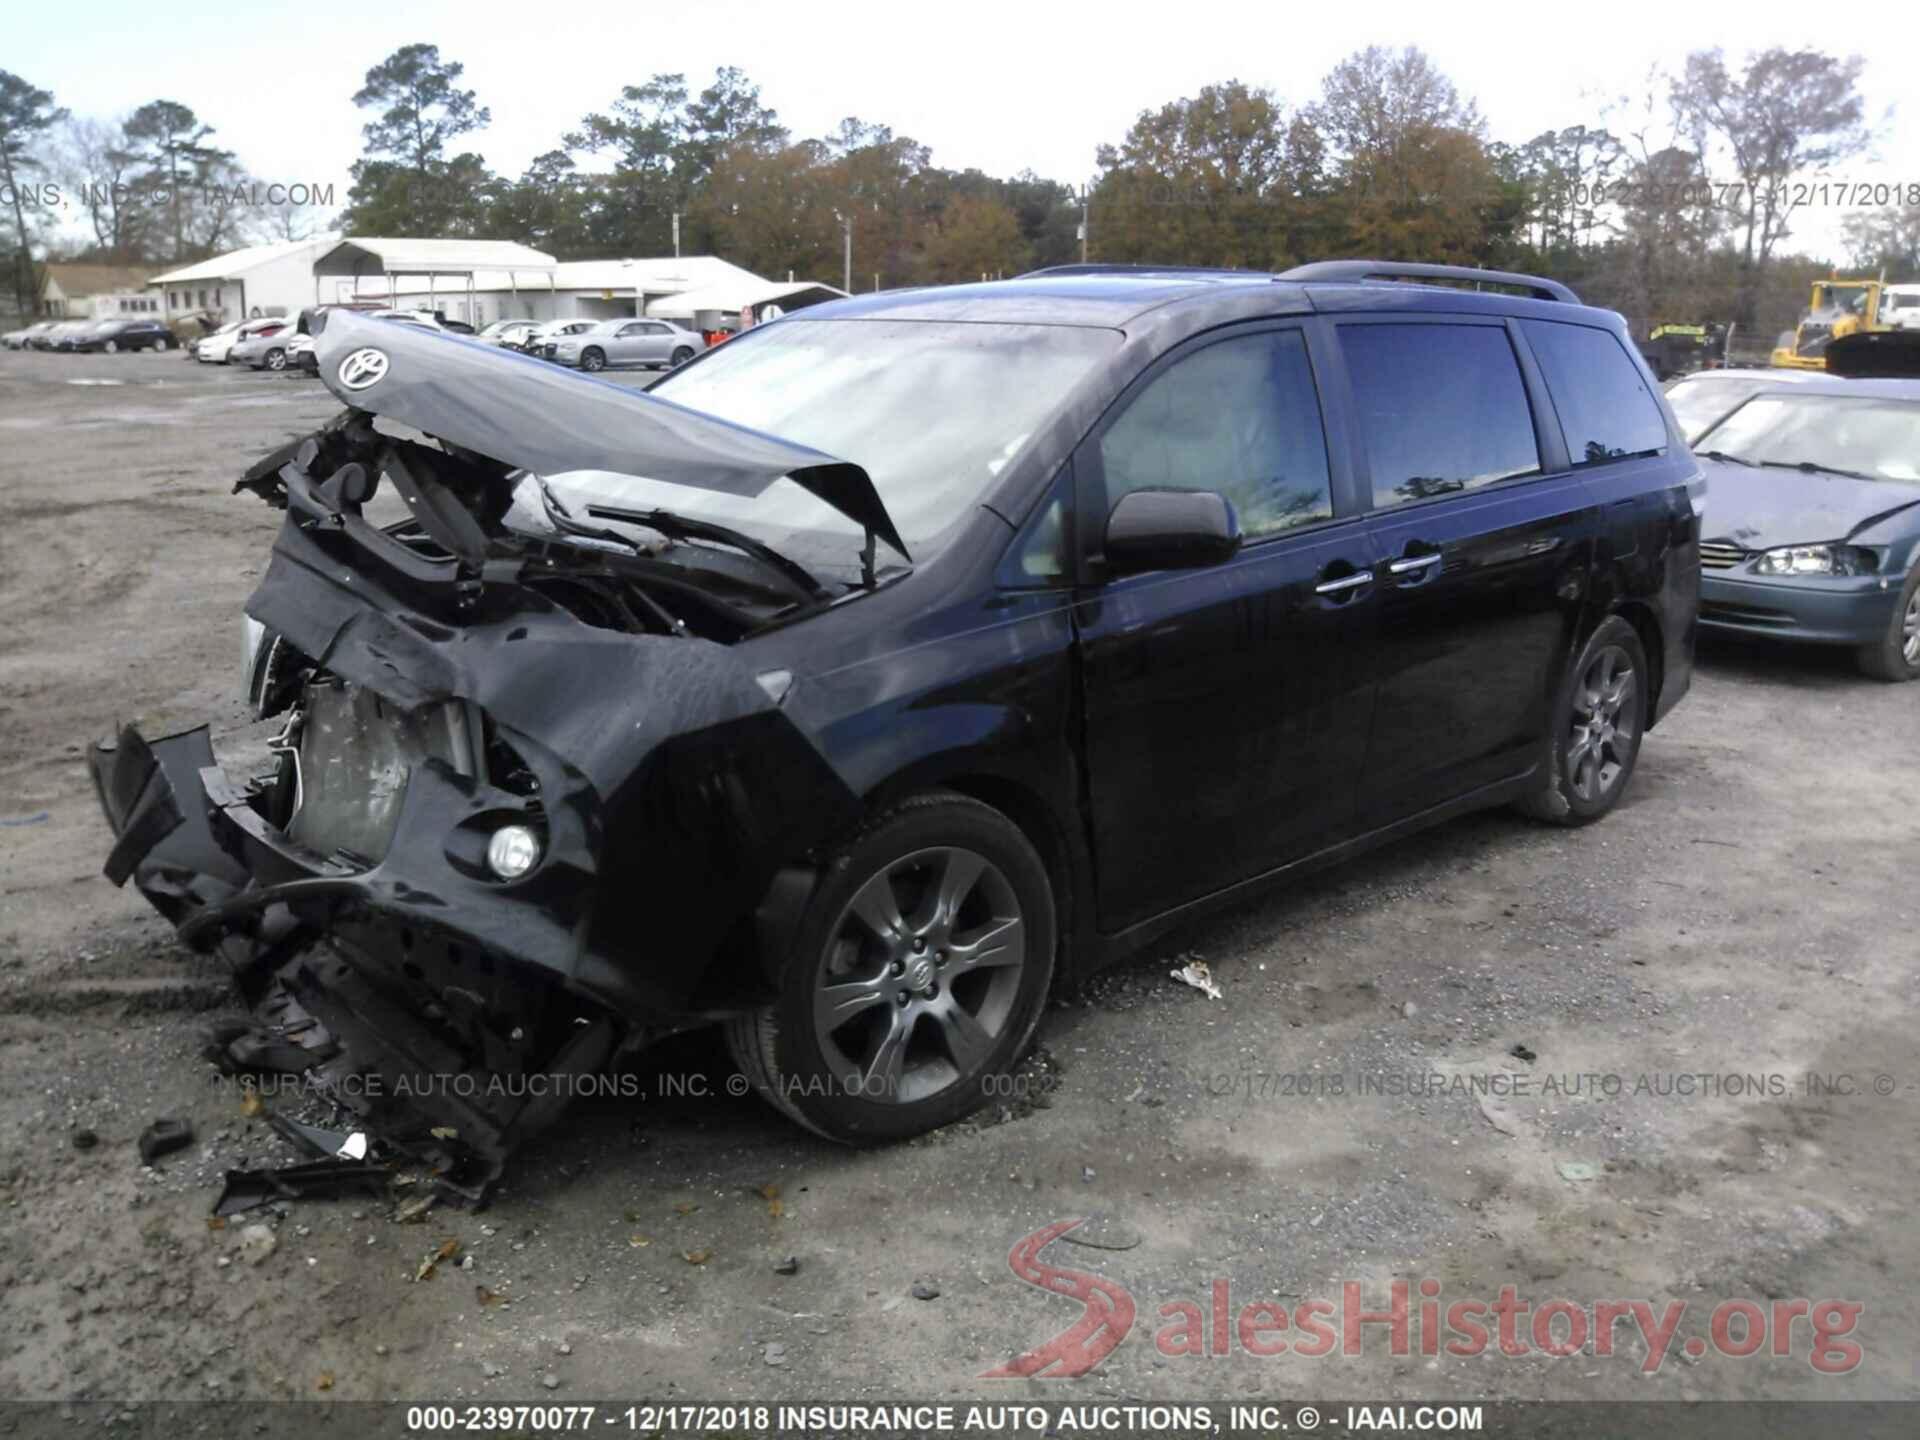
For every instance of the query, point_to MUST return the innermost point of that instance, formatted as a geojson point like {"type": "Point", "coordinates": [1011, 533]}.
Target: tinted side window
{"type": "Point", "coordinates": [1605, 410]}
{"type": "Point", "coordinates": [1442, 408]}
{"type": "Point", "coordinates": [1241, 417]}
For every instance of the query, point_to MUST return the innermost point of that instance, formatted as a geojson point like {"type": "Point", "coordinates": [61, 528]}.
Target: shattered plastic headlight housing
{"type": "Point", "coordinates": [1816, 560]}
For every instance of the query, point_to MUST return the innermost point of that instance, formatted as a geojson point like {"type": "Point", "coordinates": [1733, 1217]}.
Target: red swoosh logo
{"type": "Point", "coordinates": [1103, 1324]}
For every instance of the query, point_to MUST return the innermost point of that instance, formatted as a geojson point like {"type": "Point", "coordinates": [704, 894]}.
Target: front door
{"type": "Point", "coordinates": [1225, 707]}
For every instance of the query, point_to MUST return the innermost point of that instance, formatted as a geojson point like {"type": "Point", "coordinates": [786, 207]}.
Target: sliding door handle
{"type": "Point", "coordinates": [1344, 583]}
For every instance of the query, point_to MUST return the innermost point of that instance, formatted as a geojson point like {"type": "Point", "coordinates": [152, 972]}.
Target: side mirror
{"type": "Point", "coordinates": [1170, 530]}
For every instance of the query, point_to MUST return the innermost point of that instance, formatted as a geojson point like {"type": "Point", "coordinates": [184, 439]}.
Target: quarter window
{"type": "Point", "coordinates": [1605, 410]}
{"type": "Point", "coordinates": [1442, 408]}
{"type": "Point", "coordinates": [1240, 417]}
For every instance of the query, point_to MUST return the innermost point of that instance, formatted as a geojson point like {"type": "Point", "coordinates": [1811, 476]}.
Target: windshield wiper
{"type": "Point", "coordinates": [1730, 459]}
{"type": "Point", "coordinates": [679, 527]}
{"type": "Point", "coordinates": [1814, 467]}
{"type": "Point", "coordinates": [562, 520]}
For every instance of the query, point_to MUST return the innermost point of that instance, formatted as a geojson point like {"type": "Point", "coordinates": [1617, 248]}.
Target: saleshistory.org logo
{"type": "Point", "coordinates": [364, 367]}
{"type": "Point", "coordinates": [1813, 1329]}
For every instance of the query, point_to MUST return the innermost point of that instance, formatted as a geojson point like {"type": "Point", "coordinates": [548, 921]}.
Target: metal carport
{"type": "Point", "coordinates": [363, 257]}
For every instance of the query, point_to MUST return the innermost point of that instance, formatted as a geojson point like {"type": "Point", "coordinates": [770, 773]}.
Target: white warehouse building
{"type": "Point", "coordinates": [477, 281]}
{"type": "Point", "coordinates": [243, 284]}
{"type": "Point", "coordinates": [573, 289]}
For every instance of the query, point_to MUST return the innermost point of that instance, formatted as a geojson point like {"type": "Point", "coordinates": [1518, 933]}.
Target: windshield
{"type": "Point", "coordinates": [1698, 404]}
{"type": "Point", "coordinates": [933, 411]}
{"type": "Point", "coordinates": [1873, 435]}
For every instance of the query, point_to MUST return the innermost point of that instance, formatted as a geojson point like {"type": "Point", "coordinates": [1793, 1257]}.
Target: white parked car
{"type": "Point", "coordinates": [217, 348]}
{"type": "Point", "coordinates": [509, 334]}
{"type": "Point", "coordinates": [541, 341]}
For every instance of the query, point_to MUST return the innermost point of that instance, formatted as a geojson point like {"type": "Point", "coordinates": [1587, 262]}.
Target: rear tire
{"type": "Point", "coordinates": [1895, 656]}
{"type": "Point", "coordinates": [111, 348]}
{"type": "Point", "coordinates": [916, 977]}
{"type": "Point", "coordinates": [681, 356]}
{"type": "Point", "coordinates": [1599, 717]}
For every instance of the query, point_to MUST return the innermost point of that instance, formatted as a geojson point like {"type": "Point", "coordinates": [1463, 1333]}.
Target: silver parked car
{"type": "Point", "coordinates": [616, 343]}
{"type": "Point", "coordinates": [265, 348]}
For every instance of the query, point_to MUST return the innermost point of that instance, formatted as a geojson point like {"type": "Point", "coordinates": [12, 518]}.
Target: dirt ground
{"type": "Point", "coordinates": [1748, 919]}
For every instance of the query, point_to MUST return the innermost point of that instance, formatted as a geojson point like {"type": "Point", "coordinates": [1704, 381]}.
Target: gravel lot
{"type": "Point", "coordinates": [1751, 912]}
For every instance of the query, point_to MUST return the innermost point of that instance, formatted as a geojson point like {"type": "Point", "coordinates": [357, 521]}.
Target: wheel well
{"type": "Point", "coordinates": [1036, 820]}
{"type": "Point", "coordinates": [1647, 626]}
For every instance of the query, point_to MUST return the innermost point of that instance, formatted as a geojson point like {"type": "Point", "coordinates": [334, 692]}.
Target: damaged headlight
{"type": "Point", "coordinates": [1816, 560]}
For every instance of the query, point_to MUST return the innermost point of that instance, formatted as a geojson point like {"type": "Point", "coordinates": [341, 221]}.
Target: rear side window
{"type": "Point", "coordinates": [1606, 411]}
{"type": "Point", "coordinates": [1442, 408]}
{"type": "Point", "coordinates": [1240, 417]}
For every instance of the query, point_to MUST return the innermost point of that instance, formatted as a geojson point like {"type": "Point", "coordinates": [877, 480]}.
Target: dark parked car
{"type": "Point", "coordinates": [1812, 530]}
{"type": "Point", "coordinates": [894, 660]}
{"type": "Point", "coordinates": [110, 336]}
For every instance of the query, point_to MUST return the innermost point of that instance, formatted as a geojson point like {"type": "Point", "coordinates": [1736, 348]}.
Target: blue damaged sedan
{"type": "Point", "coordinates": [1812, 531]}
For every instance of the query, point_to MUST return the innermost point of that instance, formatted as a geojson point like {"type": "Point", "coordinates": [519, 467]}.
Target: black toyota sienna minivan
{"type": "Point", "coordinates": [894, 660]}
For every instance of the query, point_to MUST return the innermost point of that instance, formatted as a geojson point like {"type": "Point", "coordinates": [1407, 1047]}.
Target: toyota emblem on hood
{"type": "Point", "coordinates": [363, 368]}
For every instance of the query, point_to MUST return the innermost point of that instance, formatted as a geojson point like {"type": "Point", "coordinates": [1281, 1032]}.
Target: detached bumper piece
{"type": "Point", "coordinates": [446, 1053]}
{"type": "Point", "coordinates": [433, 1086]}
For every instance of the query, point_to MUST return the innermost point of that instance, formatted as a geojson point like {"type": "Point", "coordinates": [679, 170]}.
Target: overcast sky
{"type": "Point", "coordinates": [999, 87]}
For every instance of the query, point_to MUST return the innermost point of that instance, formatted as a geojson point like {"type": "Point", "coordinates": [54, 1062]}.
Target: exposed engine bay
{"type": "Point", "coordinates": [525, 801]}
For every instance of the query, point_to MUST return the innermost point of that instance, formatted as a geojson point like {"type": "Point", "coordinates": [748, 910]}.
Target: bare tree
{"type": "Point", "coordinates": [100, 163]}
{"type": "Point", "coordinates": [1787, 114]}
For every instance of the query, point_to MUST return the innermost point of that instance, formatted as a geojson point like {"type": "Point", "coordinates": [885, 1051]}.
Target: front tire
{"type": "Point", "coordinates": [274, 360]}
{"type": "Point", "coordinates": [592, 361]}
{"type": "Point", "coordinates": [1599, 717]}
{"type": "Point", "coordinates": [163, 346]}
{"type": "Point", "coordinates": [1895, 656]}
{"type": "Point", "coordinates": [917, 976]}
{"type": "Point", "coordinates": [111, 348]}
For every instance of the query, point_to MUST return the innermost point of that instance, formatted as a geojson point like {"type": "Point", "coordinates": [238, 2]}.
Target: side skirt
{"type": "Point", "coordinates": [1117, 946]}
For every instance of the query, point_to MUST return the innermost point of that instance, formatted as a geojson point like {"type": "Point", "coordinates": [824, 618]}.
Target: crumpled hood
{"type": "Point", "coordinates": [535, 416]}
{"type": "Point", "coordinates": [1758, 509]}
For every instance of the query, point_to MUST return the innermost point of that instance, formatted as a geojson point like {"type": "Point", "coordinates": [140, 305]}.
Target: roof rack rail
{"type": "Point", "coordinates": [1099, 268]}
{"type": "Point", "coordinates": [1360, 270]}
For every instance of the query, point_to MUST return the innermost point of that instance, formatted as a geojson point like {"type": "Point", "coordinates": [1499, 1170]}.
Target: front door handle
{"type": "Point", "coordinates": [1413, 564]}
{"type": "Point", "coordinates": [1344, 583]}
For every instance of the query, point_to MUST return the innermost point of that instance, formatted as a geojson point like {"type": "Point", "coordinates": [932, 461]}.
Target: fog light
{"type": "Point", "coordinates": [513, 851]}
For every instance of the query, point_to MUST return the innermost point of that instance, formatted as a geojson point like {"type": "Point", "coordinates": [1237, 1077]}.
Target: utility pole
{"type": "Point", "coordinates": [676, 234]}
{"type": "Point", "coordinates": [846, 262]}
{"type": "Point", "coordinates": [1085, 196]}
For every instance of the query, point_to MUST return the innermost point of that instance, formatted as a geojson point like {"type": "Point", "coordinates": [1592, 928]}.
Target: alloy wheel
{"type": "Point", "coordinates": [921, 975]}
{"type": "Point", "coordinates": [1605, 717]}
{"type": "Point", "coordinates": [1910, 631]}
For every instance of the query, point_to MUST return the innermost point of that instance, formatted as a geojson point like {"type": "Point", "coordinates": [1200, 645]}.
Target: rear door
{"type": "Point", "coordinates": [1225, 707]}
{"type": "Point", "coordinates": [1485, 539]}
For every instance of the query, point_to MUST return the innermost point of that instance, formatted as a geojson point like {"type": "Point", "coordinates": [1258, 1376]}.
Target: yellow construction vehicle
{"type": "Point", "coordinates": [1839, 307]}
